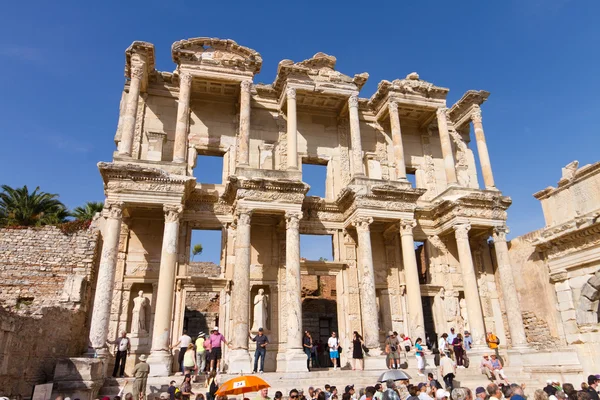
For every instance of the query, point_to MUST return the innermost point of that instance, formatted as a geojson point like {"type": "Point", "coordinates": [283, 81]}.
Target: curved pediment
{"type": "Point", "coordinates": [216, 52]}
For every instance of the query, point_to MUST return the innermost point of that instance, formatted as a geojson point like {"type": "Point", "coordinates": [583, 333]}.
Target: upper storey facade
{"type": "Point", "coordinates": [310, 114]}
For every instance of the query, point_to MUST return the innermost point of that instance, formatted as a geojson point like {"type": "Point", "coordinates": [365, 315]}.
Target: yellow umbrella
{"type": "Point", "coordinates": [242, 384]}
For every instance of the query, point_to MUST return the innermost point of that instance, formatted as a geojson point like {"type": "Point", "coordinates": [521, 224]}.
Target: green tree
{"type": "Point", "coordinates": [18, 207]}
{"type": "Point", "coordinates": [322, 259]}
{"type": "Point", "coordinates": [87, 211]}
{"type": "Point", "coordinates": [196, 250]}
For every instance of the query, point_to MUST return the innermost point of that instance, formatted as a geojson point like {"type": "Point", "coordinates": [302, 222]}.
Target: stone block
{"type": "Point", "coordinates": [586, 304]}
{"type": "Point", "coordinates": [562, 286]}
{"type": "Point", "coordinates": [595, 280]}
{"type": "Point", "coordinates": [564, 297]}
{"type": "Point", "coordinates": [586, 317]}
{"type": "Point", "coordinates": [590, 292]}
{"type": "Point", "coordinates": [568, 315]}
{"type": "Point", "coordinates": [565, 305]}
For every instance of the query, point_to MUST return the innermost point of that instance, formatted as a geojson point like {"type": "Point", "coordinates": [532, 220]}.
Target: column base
{"type": "Point", "coordinates": [294, 361]}
{"type": "Point", "coordinates": [239, 361]}
{"type": "Point", "coordinates": [160, 363]}
{"type": "Point", "coordinates": [373, 361]}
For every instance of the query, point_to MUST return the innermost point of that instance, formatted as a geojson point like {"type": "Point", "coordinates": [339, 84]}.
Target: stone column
{"type": "Point", "coordinates": [368, 297]}
{"type": "Point", "coordinates": [239, 358]}
{"type": "Point", "coordinates": [484, 157]}
{"type": "Point", "coordinates": [471, 290]}
{"type": "Point", "coordinates": [292, 129]}
{"type": "Point", "coordinates": [446, 146]}
{"type": "Point", "coordinates": [357, 156]}
{"type": "Point", "coordinates": [106, 278]}
{"type": "Point", "coordinates": [509, 291]}
{"type": "Point", "coordinates": [244, 137]}
{"type": "Point", "coordinates": [183, 118]}
{"type": "Point", "coordinates": [416, 322]}
{"type": "Point", "coordinates": [160, 359]}
{"type": "Point", "coordinates": [397, 141]}
{"type": "Point", "coordinates": [295, 356]}
{"type": "Point", "coordinates": [128, 127]}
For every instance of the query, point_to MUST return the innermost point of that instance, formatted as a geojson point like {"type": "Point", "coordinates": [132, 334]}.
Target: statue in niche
{"type": "Point", "coordinates": [138, 315]}
{"type": "Point", "coordinates": [261, 303]}
{"type": "Point", "coordinates": [463, 314]}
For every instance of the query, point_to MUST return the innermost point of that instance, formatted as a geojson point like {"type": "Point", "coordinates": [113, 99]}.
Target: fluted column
{"type": "Point", "coordinates": [449, 166]}
{"type": "Point", "coordinates": [416, 321]}
{"type": "Point", "coordinates": [368, 296]}
{"type": "Point", "coordinates": [397, 141]}
{"type": "Point", "coordinates": [292, 129]}
{"type": "Point", "coordinates": [106, 276]}
{"type": "Point", "coordinates": [484, 157]}
{"type": "Point", "coordinates": [160, 357]}
{"type": "Point", "coordinates": [509, 290]}
{"type": "Point", "coordinates": [239, 358]}
{"type": "Point", "coordinates": [471, 290]}
{"type": "Point", "coordinates": [357, 156]}
{"type": "Point", "coordinates": [128, 127]}
{"type": "Point", "coordinates": [244, 137]}
{"type": "Point", "coordinates": [183, 118]}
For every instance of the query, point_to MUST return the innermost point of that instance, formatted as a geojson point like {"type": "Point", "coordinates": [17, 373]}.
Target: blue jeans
{"type": "Point", "coordinates": [307, 352]}
{"type": "Point", "coordinates": [260, 352]}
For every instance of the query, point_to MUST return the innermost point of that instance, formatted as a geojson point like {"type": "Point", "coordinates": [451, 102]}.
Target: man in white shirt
{"type": "Point", "coordinates": [447, 371]}
{"type": "Point", "coordinates": [450, 340]}
{"type": "Point", "coordinates": [333, 344]}
{"type": "Point", "coordinates": [183, 342]}
{"type": "Point", "coordinates": [122, 345]}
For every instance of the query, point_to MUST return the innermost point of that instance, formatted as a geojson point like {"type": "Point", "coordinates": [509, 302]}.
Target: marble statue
{"type": "Point", "coordinates": [260, 310]}
{"type": "Point", "coordinates": [138, 315]}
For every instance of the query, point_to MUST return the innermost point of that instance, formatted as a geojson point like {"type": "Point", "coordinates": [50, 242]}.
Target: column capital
{"type": "Point", "coordinates": [476, 114]}
{"type": "Point", "coordinates": [441, 112]}
{"type": "Point", "coordinates": [499, 233]}
{"type": "Point", "coordinates": [113, 209]}
{"type": "Point", "coordinates": [406, 226]}
{"type": "Point", "coordinates": [461, 231]}
{"type": "Point", "coordinates": [242, 215]}
{"type": "Point", "coordinates": [393, 106]}
{"type": "Point", "coordinates": [185, 79]}
{"type": "Point", "coordinates": [353, 100]}
{"type": "Point", "coordinates": [246, 85]}
{"type": "Point", "coordinates": [290, 93]}
{"type": "Point", "coordinates": [137, 72]}
{"type": "Point", "coordinates": [362, 223]}
{"type": "Point", "coordinates": [292, 219]}
{"type": "Point", "coordinates": [172, 212]}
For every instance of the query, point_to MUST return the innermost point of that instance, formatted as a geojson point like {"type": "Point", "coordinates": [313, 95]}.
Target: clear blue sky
{"type": "Point", "coordinates": [61, 74]}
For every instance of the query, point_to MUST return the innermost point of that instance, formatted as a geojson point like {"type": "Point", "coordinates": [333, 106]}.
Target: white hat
{"type": "Point", "coordinates": [441, 393]}
{"type": "Point", "coordinates": [143, 357]}
{"type": "Point", "coordinates": [549, 381]}
{"type": "Point", "coordinates": [216, 328]}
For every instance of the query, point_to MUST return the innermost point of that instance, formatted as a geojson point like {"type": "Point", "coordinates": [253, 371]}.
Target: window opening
{"type": "Point", "coordinates": [316, 247]}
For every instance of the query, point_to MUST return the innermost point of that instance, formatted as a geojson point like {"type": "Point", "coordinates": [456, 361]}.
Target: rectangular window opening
{"type": "Point", "coordinates": [205, 248]}
{"type": "Point", "coordinates": [209, 169]}
{"type": "Point", "coordinates": [411, 175]}
{"type": "Point", "coordinates": [315, 174]}
{"type": "Point", "coordinates": [316, 247]}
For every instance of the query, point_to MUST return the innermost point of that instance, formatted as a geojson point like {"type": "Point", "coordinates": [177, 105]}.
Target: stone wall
{"type": "Point", "coordinates": [46, 280]}
{"type": "Point", "coordinates": [538, 332]}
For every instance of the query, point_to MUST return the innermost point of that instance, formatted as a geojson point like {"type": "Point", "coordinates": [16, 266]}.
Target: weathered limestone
{"type": "Point", "coordinates": [484, 157]}
{"type": "Point", "coordinates": [160, 359]}
{"type": "Point", "coordinates": [106, 277]}
{"type": "Point", "coordinates": [476, 322]}
{"type": "Point", "coordinates": [183, 117]}
{"type": "Point", "coordinates": [397, 141]}
{"type": "Point", "coordinates": [244, 136]}
{"type": "Point", "coordinates": [292, 129]}
{"type": "Point", "coordinates": [239, 358]}
{"type": "Point", "coordinates": [509, 290]}
{"type": "Point", "coordinates": [449, 165]}
{"type": "Point", "coordinates": [129, 117]}
{"type": "Point", "coordinates": [357, 156]}
{"type": "Point", "coordinates": [416, 323]}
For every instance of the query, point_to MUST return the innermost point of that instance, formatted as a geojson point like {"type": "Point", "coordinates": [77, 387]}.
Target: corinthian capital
{"type": "Point", "coordinates": [185, 79]}
{"type": "Point", "coordinates": [246, 85]}
{"type": "Point", "coordinates": [353, 101]}
{"type": "Point", "coordinates": [243, 216]}
{"type": "Point", "coordinates": [292, 219]}
{"type": "Point", "coordinates": [441, 112]}
{"type": "Point", "coordinates": [137, 72]}
{"type": "Point", "coordinates": [393, 107]}
{"type": "Point", "coordinates": [172, 212]}
{"type": "Point", "coordinates": [476, 114]}
{"type": "Point", "coordinates": [113, 209]}
{"type": "Point", "coordinates": [406, 226]}
{"type": "Point", "coordinates": [461, 231]}
{"type": "Point", "coordinates": [291, 93]}
{"type": "Point", "coordinates": [362, 223]}
{"type": "Point", "coordinates": [499, 234]}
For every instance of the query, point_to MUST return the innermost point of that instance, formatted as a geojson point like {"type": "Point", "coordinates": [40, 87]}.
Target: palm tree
{"type": "Point", "coordinates": [87, 211]}
{"type": "Point", "coordinates": [21, 208]}
{"type": "Point", "coordinates": [196, 250]}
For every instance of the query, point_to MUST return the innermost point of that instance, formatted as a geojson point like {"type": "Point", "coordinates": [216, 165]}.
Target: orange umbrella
{"type": "Point", "coordinates": [242, 384]}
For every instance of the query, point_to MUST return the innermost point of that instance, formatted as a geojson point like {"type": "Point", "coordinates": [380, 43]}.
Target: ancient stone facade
{"type": "Point", "coordinates": [46, 280]}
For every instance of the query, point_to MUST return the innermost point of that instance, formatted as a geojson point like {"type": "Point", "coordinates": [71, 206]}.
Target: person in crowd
{"type": "Point", "coordinates": [462, 393]}
{"type": "Point", "coordinates": [321, 396]}
{"type": "Point", "coordinates": [314, 353]}
{"type": "Point", "coordinates": [539, 394]}
{"type": "Point", "coordinates": [447, 371]}
{"type": "Point", "coordinates": [307, 345]}
{"type": "Point", "coordinates": [378, 391]}
{"type": "Point", "coordinates": [497, 369]}
{"type": "Point", "coordinates": [592, 389]}
{"type": "Point", "coordinates": [327, 391]}
{"type": "Point", "coordinates": [263, 395]}
{"type": "Point", "coordinates": [261, 349]}
{"type": "Point", "coordinates": [171, 390]}
{"type": "Point", "coordinates": [334, 391]}
{"type": "Point", "coordinates": [278, 395]}
{"type": "Point", "coordinates": [467, 341]}
{"type": "Point", "coordinates": [211, 385]}
{"type": "Point", "coordinates": [357, 352]}
{"type": "Point", "coordinates": [442, 394]}
{"type": "Point", "coordinates": [507, 392]}
{"type": "Point", "coordinates": [201, 352]}
{"type": "Point", "coordinates": [186, 387]}
{"type": "Point", "coordinates": [494, 392]}
{"type": "Point", "coordinates": [480, 393]}
{"type": "Point", "coordinates": [183, 342]}
{"type": "Point", "coordinates": [518, 393]}
{"type": "Point", "coordinates": [570, 391]}
{"type": "Point", "coordinates": [189, 360]}
{"type": "Point", "coordinates": [402, 389]}
{"type": "Point", "coordinates": [451, 337]}
{"type": "Point", "coordinates": [333, 344]}
{"type": "Point", "coordinates": [216, 338]}
{"type": "Point", "coordinates": [406, 342]}
{"type": "Point", "coordinates": [370, 392]}
{"type": "Point", "coordinates": [560, 395]}
{"type": "Point", "coordinates": [433, 382]}
{"type": "Point", "coordinates": [493, 342]}
{"type": "Point", "coordinates": [140, 373]}
{"type": "Point", "coordinates": [443, 344]}
{"type": "Point", "coordinates": [293, 395]}
{"type": "Point", "coordinates": [420, 355]}
{"type": "Point", "coordinates": [122, 346]}
{"type": "Point", "coordinates": [350, 389]}
{"type": "Point", "coordinates": [486, 367]}
{"type": "Point", "coordinates": [311, 392]}
{"type": "Point", "coordinates": [423, 394]}
{"type": "Point", "coordinates": [390, 393]}
{"type": "Point", "coordinates": [413, 392]}
{"type": "Point", "coordinates": [549, 388]}
{"type": "Point", "coordinates": [457, 345]}
{"type": "Point", "coordinates": [581, 395]}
